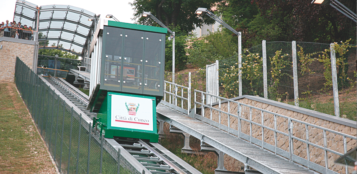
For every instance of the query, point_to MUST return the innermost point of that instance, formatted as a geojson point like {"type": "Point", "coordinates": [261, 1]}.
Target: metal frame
{"type": "Point", "coordinates": [174, 96]}
{"type": "Point", "coordinates": [225, 142]}
{"type": "Point", "coordinates": [289, 155]}
{"type": "Point", "coordinates": [36, 19]}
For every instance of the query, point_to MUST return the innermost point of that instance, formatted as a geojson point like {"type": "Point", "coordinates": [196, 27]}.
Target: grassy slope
{"type": "Point", "coordinates": [21, 148]}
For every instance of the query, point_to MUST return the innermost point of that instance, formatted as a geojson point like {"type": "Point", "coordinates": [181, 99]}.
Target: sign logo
{"type": "Point", "coordinates": [132, 108]}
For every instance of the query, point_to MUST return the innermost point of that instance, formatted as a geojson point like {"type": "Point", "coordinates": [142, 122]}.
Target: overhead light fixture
{"type": "Point", "coordinates": [317, 1]}
{"type": "Point", "coordinates": [112, 17]}
{"type": "Point", "coordinates": [109, 16]}
{"type": "Point", "coordinates": [200, 10]}
{"type": "Point", "coordinates": [146, 14]}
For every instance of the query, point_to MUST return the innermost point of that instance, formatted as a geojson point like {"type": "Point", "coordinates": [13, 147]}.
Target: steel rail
{"type": "Point", "coordinates": [161, 157]}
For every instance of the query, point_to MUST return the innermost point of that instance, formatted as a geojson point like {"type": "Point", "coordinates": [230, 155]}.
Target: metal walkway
{"type": "Point", "coordinates": [249, 154]}
{"type": "Point", "coordinates": [150, 157]}
{"type": "Point", "coordinates": [82, 74]}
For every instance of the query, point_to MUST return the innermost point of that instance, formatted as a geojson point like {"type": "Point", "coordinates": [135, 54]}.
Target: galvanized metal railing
{"type": "Point", "coordinates": [176, 91]}
{"type": "Point", "coordinates": [277, 130]}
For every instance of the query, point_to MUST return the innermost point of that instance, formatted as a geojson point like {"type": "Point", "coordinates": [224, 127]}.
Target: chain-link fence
{"type": "Point", "coordinates": [73, 145]}
{"type": "Point", "coordinates": [314, 87]}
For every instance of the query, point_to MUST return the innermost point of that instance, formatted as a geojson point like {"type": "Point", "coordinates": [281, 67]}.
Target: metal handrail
{"type": "Point", "coordinates": [290, 126]}
{"type": "Point", "coordinates": [174, 95]}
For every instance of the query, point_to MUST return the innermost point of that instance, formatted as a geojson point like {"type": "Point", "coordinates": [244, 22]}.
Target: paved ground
{"type": "Point", "coordinates": [21, 149]}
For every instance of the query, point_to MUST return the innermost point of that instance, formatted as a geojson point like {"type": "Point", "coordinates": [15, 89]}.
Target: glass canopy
{"type": "Point", "coordinates": [61, 27]}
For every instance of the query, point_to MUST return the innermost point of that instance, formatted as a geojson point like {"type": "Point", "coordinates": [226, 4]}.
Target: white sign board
{"type": "Point", "coordinates": [212, 82]}
{"type": "Point", "coordinates": [132, 112]}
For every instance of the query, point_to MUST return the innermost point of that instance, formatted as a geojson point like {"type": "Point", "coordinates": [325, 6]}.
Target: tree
{"type": "Point", "coordinates": [282, 20]}
{"type": "Point", "coordinates": [309, 22]}
{"type": "Point", "coordinates": [53, 52]}
{"type": "Point", "coordinates": [60, 53]}
{"type": "Point", "coordinates": [180, 53]}
{"type": "Point", "coordinates": [173, 12]}
{"type": "Point", "coordinates": [215, 46]}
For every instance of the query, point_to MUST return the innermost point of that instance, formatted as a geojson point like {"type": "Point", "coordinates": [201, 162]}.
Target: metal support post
{"type": "Point", "coordinates": [161, 129]}
{"type": "Point", "coordinates": [101, 153]}
{"type": "Point", "coordinates": [173, 57]}
{"type": "Point", "coordinates": [89, 137]}
{"type": "Point", "coordinates": [118, 160]}
{"type": "Point", "coordinates": [334, 80]}
{"type": "Point", "coordinates": [265, 70]}
{"type": "Point", "coordinates": [55, 71]}
{"type": "Point", "coordinates": [64, 115]}
{"type": "Point", "coordinates": [186, 146]}
{"type": "Point", "coordinates": [189, 94]}
{"type": "Point", "coordinates": [70, 141]}
{"type": "Point", "coordinates": [220, 165]}
{"type": "Point", "coordinates": [217, 84]}
{"type": "Point", "coordinates": [79, 141]}
{"type": "Point", "coordinates": [240, 63]}
{"type": "Point", "coordinates": [295, 74]}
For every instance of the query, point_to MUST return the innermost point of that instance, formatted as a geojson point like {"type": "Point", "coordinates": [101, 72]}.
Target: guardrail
{"type": "Point", "coordinates": [285, 129]}
{"type": "Point", "coordinates": [177, 92]}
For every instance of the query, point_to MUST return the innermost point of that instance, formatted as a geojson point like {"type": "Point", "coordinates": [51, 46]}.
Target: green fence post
{"type": "Point", "coordinates": [89, 137]}
{"type": "Point", "coordinates": [51, 125]}
{"type": "Point", "coordinates": [101, 153]}
{"type": "Point", "coordinates": [56, 133]}
{"type": "Point", "coordinates": [118, 160]}
{"type": "Point", "coordinates": [70, 140]}
{"type": "Point", "coordinates": [37, 98]}
{"type": "Point", "coordinates": [79, 141]}
{"type": "Point", "coordinates": [64, 114]}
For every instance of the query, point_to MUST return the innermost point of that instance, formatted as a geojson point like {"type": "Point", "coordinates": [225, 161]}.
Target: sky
{"type": "Point", "coordinates": [121, 9]}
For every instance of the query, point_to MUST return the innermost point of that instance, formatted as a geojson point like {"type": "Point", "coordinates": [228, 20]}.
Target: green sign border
{"type": "Point", "coordinates": [137, 27]}
{"type": "Point", "coordinates": [109, 111]}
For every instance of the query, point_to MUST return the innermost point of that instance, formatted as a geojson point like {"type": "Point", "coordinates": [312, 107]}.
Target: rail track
{"type": "Point", "coordinates": [152, 156]}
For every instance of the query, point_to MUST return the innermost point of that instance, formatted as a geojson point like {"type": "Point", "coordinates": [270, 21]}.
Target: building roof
{"type": "Point", "coordinates": [61, 27]}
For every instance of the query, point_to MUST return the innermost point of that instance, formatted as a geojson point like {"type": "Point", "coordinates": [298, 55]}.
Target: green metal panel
{"type": "Point", "coordinates": [105, 117]}
{"type": "Point", "coordinates": [137, 27]}
{"type": "Point", "coordinates": [103, 112]}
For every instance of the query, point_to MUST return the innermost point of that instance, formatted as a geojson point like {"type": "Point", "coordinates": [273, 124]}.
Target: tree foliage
{"type": "Point", "coordinates": [216, 46]}
{"type": "Point", "coordinates": [180, 54]}
{"type": "Point", "coordinates": [53, 52]}
{"type": "Point", "coordinates": [59, 53]}
{"type": "Point", "coordinates": [173, 12]}
{"type": "Point", "coordinates": [287, 20]}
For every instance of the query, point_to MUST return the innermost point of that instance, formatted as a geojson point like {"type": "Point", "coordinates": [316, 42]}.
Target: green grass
{"type": "Point", "coordinates": [21, 148]}
{"type": "Point", "coordinates": [86, 91]}
{"type": "Point", "coordinates": [346, 108]}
